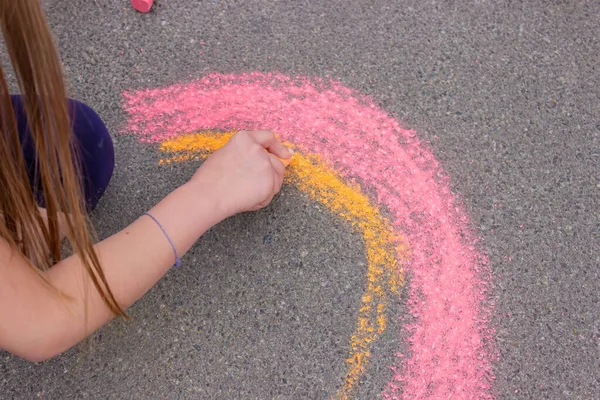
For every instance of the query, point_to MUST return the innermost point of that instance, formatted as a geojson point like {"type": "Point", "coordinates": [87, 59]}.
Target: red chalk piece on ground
{"type": "Point", "coordinates": [142, 5]}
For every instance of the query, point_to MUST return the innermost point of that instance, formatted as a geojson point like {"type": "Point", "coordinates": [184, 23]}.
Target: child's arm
{"type": "Point", "coordinates": [36, 323]}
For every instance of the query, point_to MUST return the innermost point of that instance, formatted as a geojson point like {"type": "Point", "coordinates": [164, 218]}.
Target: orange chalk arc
{"type": "Point", "coordinates": [385, 250]}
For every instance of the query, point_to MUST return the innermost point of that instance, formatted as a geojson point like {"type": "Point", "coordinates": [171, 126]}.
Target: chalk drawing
{"type": "Point", "coordinates": [322, 184]}
{"type": "Point", "coordinates": [344, 138]}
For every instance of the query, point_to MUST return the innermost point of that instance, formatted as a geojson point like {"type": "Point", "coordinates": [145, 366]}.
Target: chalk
{"type": "Point", "coordinates": [142, 5]}
{"type": "Point", "coordinates": [323, 184]}
{"type": "Point", "coordinates": [287, 161]}
{"type": "Point", "coordinates": [449, 344]}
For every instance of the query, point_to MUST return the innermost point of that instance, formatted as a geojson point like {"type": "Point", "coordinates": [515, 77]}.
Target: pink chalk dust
{"type": "Point", "coordinates": [450, 343]}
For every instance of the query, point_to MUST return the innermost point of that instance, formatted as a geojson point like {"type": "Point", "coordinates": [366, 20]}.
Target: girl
{"type": "Point", "coordinates": [56, 159]}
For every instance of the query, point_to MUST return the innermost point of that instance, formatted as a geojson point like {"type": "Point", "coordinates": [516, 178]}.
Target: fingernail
{"type": "Point", "coordinates": [291, 150]}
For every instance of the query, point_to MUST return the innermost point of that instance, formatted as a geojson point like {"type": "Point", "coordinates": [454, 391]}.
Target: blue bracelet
{"type": "Point", "coordinates": [177, 259]}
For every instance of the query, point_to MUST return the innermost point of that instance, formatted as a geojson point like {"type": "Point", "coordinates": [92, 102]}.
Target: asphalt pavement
{"type": "Point", "coordinates": [506, 93]}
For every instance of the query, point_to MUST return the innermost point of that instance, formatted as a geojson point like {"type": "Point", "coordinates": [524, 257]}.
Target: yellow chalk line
{"type": "Point", "coordinates": [314, 177]}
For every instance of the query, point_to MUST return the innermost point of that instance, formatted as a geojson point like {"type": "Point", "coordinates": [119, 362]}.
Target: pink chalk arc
{"type": "Point", "coordinates": [451, 345]}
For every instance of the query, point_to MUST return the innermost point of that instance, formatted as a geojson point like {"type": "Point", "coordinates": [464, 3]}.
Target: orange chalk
{"type": "Point", "coordinates": [385, 252]}
{"type": "Point", "coordinates": [286, 161]}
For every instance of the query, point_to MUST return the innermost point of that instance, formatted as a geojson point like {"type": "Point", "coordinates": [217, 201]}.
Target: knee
{"type": "Point", "coordinates": [89, 129]}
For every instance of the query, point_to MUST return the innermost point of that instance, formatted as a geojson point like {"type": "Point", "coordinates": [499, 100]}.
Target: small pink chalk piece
{"type": "Point", "coordinates": [142, 5]}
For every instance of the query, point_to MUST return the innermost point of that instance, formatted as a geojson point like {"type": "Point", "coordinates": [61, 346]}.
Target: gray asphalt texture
{"type": "Point", "coordinates": [507, 93]}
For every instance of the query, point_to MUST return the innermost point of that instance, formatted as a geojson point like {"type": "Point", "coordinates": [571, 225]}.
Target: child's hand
{"type": "Point", "coordinates": [242, 176]}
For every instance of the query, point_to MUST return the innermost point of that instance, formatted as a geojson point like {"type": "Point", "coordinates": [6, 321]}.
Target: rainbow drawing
{"type": "Point", "coordinates": [342, 138]}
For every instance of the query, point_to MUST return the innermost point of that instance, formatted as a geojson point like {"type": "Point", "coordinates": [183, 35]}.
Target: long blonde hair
{"type": "Point", "coordinates": [39, 75]}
